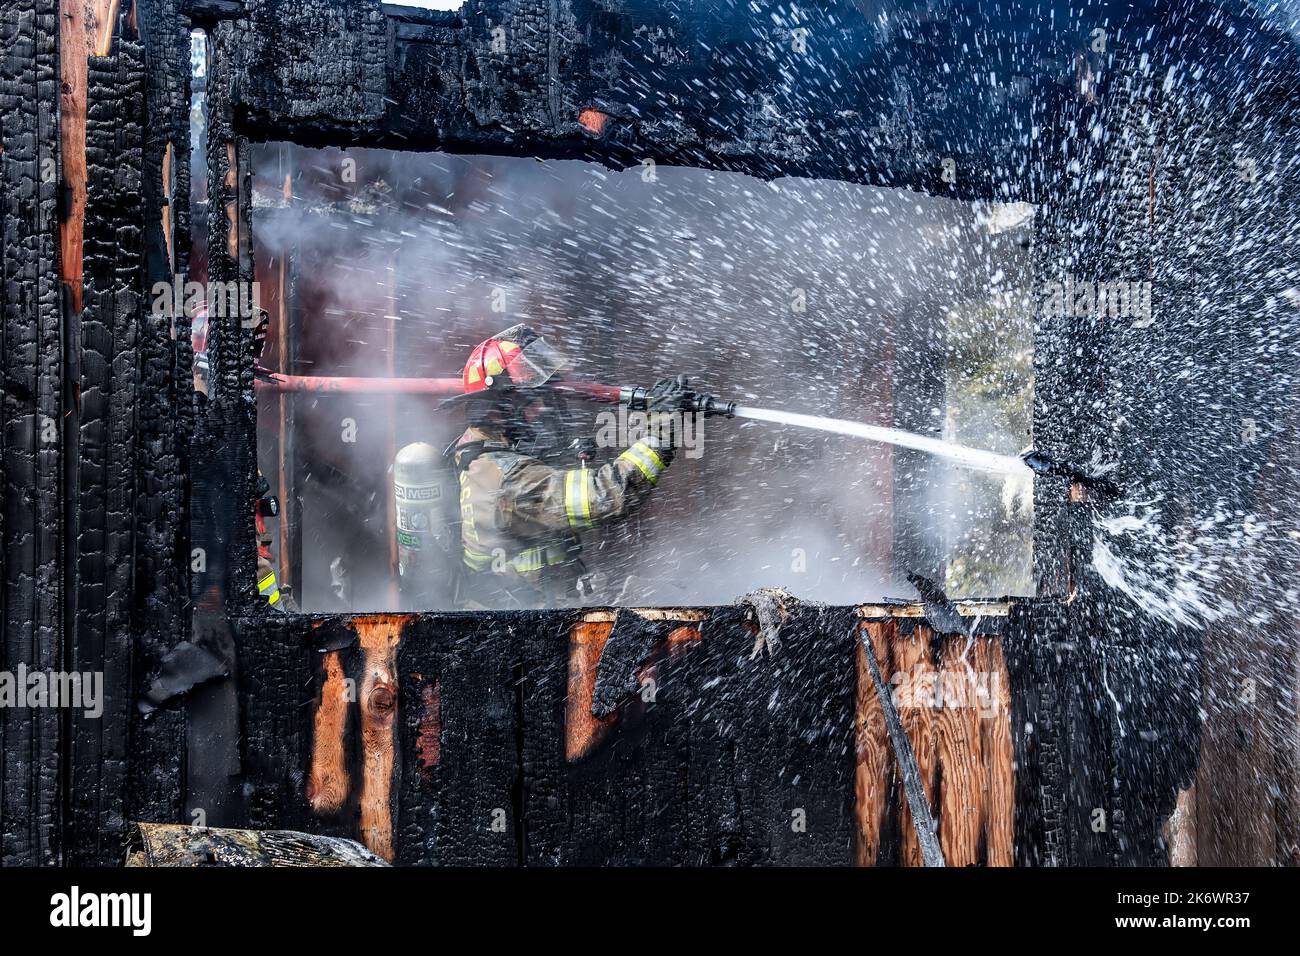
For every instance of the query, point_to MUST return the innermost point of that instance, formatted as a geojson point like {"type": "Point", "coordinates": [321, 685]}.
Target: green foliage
{"type": "Point", "coordinates": [990, 386]}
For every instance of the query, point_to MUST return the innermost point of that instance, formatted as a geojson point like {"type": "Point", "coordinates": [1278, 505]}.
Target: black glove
{"type": "Point", "coordinates": [667, 404]}
{"type": "Point", "coordinates": [668, 395]}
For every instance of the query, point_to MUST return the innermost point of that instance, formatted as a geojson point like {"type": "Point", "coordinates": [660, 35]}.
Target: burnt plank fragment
{"type": "Point", "coordinates": [163, 411]}
{"type": "Point", "coordinates": [767, 89]}
{"type": "Point", "coordinates": [601, 788]}
{"type": "Point", "coordinates": [31, 440]}
{"type": "Point", "coordinates": [457, 796]}
{"type": "Point", "coordinates": [274, 694]}
{"type": "Point", "coordinates": [109, 327]}
{"type": "Point", "coordinates": [717, 760]}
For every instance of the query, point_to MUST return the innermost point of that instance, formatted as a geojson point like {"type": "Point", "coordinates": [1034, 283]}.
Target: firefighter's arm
{"type": "Point", "coordinates": [575, 499]}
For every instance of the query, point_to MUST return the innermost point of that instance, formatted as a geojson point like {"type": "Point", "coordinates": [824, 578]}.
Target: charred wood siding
{"type": "Point", "coordinates": [489, 753]}
{"type": "Point", "coordinates": [111, 326]}
{"type": "Point", "coordinates": [93, 486]}
{"type": "Point", "coordinates": [31, 600]}
{"type": "Point", "coordinates": [820, 91]}
{"type": "Point", "coordinates": [1183, 189]}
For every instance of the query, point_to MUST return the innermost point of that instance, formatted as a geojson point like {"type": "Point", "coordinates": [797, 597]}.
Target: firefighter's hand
{"type": "Point", "coordinates": [669, 394]}
{"type": "Point", "coordinates": [665, 406]}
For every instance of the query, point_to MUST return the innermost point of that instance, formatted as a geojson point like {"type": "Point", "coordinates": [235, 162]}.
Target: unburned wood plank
{"type": "Point", "coordinates": [379, 636]}
{"type": "Point", "coordinates": [873, 763]}
{"type": "Point", "coordinates": [103, 20]}
{"type": "Point", "coordinates": [582, 730]}
{"type": "Point", "coordinates": [962, 776]}
{"type": "Point", "coordinates": [999, 756]}
{"type": "Point", "coordinates": [915, 699]}
{"type": "Point", "coordinates": [328, 782]}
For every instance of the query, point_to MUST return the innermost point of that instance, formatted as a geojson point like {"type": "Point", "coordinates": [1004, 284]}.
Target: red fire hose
{"type": "Point", "coordinates": [333, 384]}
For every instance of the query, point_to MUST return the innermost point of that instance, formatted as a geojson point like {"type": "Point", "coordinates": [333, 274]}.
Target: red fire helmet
{"type": "Point", "coordinates": [517, 357]}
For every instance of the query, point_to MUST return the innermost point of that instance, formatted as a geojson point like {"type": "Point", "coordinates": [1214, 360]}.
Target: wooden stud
{"type": "Point", "coordinates": [916, 710]}
{"type": "Point", "coordinates": [328, 783]}
{"type": "Point", "coordinates": [963, 780]}
{"type": "Point", "coordinates": [379, 636]}
{"type": "Point", "coordinates": [874, 759]}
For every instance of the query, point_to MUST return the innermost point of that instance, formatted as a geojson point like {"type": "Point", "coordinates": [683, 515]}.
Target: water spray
{"type": "Point", "coordinates": [1043, 464]}
{"type": "Point", "coordinates": [636, 398]}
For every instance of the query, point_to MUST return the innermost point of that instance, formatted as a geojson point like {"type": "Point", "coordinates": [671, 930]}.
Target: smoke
{"type": "Point", "coordinates": [822, 297]}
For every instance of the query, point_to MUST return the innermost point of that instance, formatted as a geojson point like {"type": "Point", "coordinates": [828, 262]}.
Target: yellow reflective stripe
{"type": "Point", "coordinates": [646, 460]}
{"type": "Point", "coordinates": [587, 480]}
{"type": "Point", "coordinates": [268, 587]}
{"type": "Point", "coordinates": [571, 504]}
{"type": "Point", "coordinates": [467, 509]}
{"type": "Point", "coordinates": [641, 465]}
{"type": "Point", "coordinates": [645, 448]}
{"type": "Point", "coordinates": [477, 560]}
{"type": "Point", "coordinates": [530, 559]}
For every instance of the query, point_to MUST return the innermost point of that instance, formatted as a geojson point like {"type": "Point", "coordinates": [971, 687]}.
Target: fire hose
{"type": "Point", "coordinates": [633, 396]}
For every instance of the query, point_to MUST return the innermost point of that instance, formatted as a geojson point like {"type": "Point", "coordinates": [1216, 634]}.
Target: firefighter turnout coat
{"type": "Point", "coordinates": [521, 518]}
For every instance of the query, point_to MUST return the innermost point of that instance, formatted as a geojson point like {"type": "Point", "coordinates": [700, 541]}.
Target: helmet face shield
{"type": "Point", "coordinates": [536, 361]}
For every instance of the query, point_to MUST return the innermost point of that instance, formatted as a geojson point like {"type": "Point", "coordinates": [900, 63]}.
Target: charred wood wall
{"type": "Point", "coordinates": [821, 90]}
{"type": "Point", "coordinates": [655, 737]}
{"type": "Point", "coordinates": [110, 462]}
{"type": "Point", "coordinates": [34, 614]}
{"type": "Point", "coordinates": [1183, 179]}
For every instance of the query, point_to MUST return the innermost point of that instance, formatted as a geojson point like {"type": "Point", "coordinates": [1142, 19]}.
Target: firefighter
{"type": "Point", "coordinates": [267, 506]}
{"type": "Point", "coordinates": [526, 490]}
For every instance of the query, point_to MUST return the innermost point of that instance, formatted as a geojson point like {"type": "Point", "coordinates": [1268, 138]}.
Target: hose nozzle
{"type": "Point", "coordinates": [1044, 464]}
{"type": "Point", "coordinates": [699, 403]}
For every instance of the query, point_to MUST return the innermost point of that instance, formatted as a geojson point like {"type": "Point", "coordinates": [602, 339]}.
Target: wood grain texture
{"type": "Point", "coordinates": [958, 742]}
{"type": "Point", "coordinates": [874, 759]}
{"type": "Point", "coordinates": [328, 781]}
{"type": "Point", "coordinates": [999, 758]}
{"type": "Point", "coordinates": [582, 731]}
{"type": "Point", "coordinates": [914, 697]}
{"type": "Point", "coordinates": [379, 635]}
{"type": "Point", "coordinates": [74, 42]}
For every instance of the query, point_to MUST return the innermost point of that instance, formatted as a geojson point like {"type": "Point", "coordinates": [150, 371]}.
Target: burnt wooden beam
{"type": "Point", "coordinates": [108, 444]}
{"type": "Point", "coordinates": [159, 497]}
{"type": "Point", "coordinates": [31, 440]}
{"type": "Point", "coordinates": [209, 11]}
